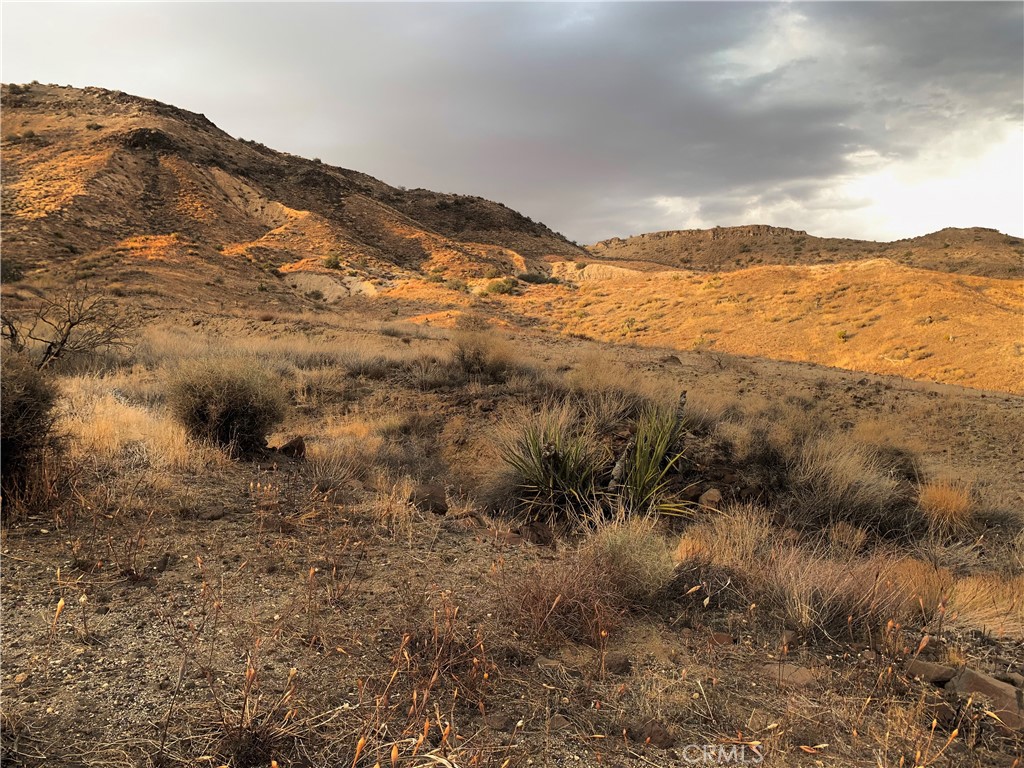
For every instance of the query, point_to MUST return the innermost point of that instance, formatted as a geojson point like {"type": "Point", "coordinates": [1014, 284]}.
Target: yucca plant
{"type": "Point", "coordinates": [554, 459]}
{"type": "Point", "coordinates": [650, 458]}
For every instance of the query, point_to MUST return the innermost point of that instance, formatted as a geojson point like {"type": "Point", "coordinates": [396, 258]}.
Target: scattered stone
{"type": "Point", "coordinates": [651, 732]}
{"type": "Point", "coordinates": [616, 663]}
{"type": "Point", "coordinates": [499, 721]}
{"type": "Point", "coordinates": [545, 664]}
{"type": "Point", "coordinates": [1003, 699]}
{"type": "Point", "coordinates": [558, 723]}
{"type": "Point", "coordinates": [430, 497]}
{"type": "Point", "coordinates": [294, 448]}
{"type": "Point", "coordinates": [722, 638]}
{"type": "Point", "coordinates": [541, 534]}
{"type": "Point", "coordinates": [711, 498]}
{"type": "Point", "coordinates": [790, 674]}
{"type": "Point", "coordinates": [930, 672]}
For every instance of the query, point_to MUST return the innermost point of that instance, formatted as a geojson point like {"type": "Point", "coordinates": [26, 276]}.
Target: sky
{"type": "Point", "coordinates": [870, 120]}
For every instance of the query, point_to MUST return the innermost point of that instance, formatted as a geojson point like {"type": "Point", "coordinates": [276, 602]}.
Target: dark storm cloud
{"type": "Point", "coordinates": [580, 115]}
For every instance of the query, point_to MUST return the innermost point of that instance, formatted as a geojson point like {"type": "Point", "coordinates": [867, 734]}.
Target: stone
{"type": "Point", "coordinates": [721, 638]}
{"type": "Point", "coordinates": [545, 664]}
{"type": "Point", "coordinates": [930, 672]}
{"type": "Point", "coordinates": [294, 448]}
{"type": "Point", "coordinates": [558, 723]}
{"type": "Point", "coordinates": [499, 721]}
{"type": "Point", "coordinates": [430, 497]}
{"type": "Point", "coordinates": [616, 663]}
{"type": "Point", "coordinates": [1002, 699]}
{"type": "Point", "coordinates": [1013, 678]}
{"type": "Point", "coordinates": [711, 498]}
{"type": "Point", "coordinates": [21, 678]}
{"type": "Point", "coordinates": [651, 732]}
{"type": "Point", "coordinates": [790, 674]}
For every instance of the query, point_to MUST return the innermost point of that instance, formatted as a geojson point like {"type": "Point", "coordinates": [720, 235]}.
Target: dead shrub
{"type": "Point", "coordinates": [233, 404]}
{"type": "Point", "coordinates": [27, 441]}
{"type": "Point", "coordinates": [585, 595]}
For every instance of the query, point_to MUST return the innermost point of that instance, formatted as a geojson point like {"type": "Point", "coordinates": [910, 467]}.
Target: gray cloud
{"type": "Point", "coordinates": [579, 115]}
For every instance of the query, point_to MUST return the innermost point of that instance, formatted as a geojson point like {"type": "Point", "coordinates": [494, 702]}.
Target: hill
{"type": "Point", "coordinates": [92, 174]}
{"type": "Point", "coordinates": [974, 251]}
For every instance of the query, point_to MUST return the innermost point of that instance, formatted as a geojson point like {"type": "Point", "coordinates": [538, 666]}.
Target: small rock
{"type": "Point", "coordinates": [711, 498]}
{"type": "Point", "coordinates": [545, 664]}
{"type": "Point", "coordinates": [790, 674]}
{"type": "Point", "coordinates": [869, 655]}
{"type": "Point", "coordinates": [558, 723]}
{"type": "Point", "coordinates": [651, 732]}
{"type": "Point", "coordinates": [538, 533]}
{"type": "Point", "coordinates": [430, 497]}
{"type": "Point", "coordinates": [21, 678]}
{"type": "Point", "coordinates": [930, 672]}
{"type": "Point", "coordinates": [721, 638]}
{"type": "Point", "coordinates": [616, 663]}
{"type": "Point", "coordinates": [294, 448]}
{"type": "Point", "coordinates": [499, 721]}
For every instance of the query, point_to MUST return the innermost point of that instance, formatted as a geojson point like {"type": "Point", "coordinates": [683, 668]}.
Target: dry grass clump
{"type": "Point", "coordinates": [836, 599]}
{"type": "Point", "coordinates": [485, 355]}
{"type": "Point", "coordinates": [104, 428]}
{"type": "Point", "coordinates": [989, 602]}
{"type": "Point", "coordinates": [632, 557]}
{"type": "Point", "coordinates": [585, 595]}
{"type": "Point", "coordinates": [839, 480]}
{"type": "Point", "coordinates": [552, 459]}
{"type": "Point", "coordinates": [741, 536]}
{"type": "Point", "coordinates": [27, 441]}
{"type": "Point", "coordinates": [948, 506]}
{"type": "Point", "coordinates": [230, 403]}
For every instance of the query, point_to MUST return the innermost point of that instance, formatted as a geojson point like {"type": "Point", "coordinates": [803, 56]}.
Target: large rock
{"type": "Point", "coordinates": [711, 498]}
{"type": "Point", "coordinates": [1002, 699]}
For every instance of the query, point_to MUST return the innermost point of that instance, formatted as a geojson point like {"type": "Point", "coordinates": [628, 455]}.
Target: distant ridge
{"type": "Point", "coordinates": [974, 251]}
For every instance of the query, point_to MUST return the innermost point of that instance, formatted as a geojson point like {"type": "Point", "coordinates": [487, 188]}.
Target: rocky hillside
{"type": "Point", "coordinates": [975, 251]}
{"type": "Point", "coordinates": [102, 174]}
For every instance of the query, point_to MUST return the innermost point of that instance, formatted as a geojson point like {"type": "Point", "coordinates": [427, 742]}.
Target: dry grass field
{"type": "Point", "coordinates": [396, 507]}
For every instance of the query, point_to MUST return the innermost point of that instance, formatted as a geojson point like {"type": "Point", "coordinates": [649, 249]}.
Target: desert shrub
{"type": "Point", "coordinates": [233, 404]}
{"type": "Point", "coordinates": [947, 506]}
{"type": "Point", "coordinates": [484, 355]}
{"type": "Point", "coordinates": [333, 261]}
{"type": "Point", "coordinates": [537, 278]}
{"type": "Point", "coordinates": [505, 286]}
{"type": "Point", "coordinates": [650, 458]}
{"type": "Point", "coordinates": [10, 272]}
{"type": "Point", "coordinates": [553, 460]}
{"type": "Point", "coordinates": [26, 425]}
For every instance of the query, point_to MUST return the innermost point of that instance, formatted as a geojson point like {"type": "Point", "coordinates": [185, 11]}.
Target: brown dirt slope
{"type": "Point", "coordinates": [87, 170]}
{"type": "Point", "coordinates": [974, 251]}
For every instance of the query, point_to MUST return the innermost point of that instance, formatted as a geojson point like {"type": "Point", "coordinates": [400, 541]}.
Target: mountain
{"type": "Point", "coordinates": [93, 176]}
{"type": "Point", "coordinates": [974, 251]}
